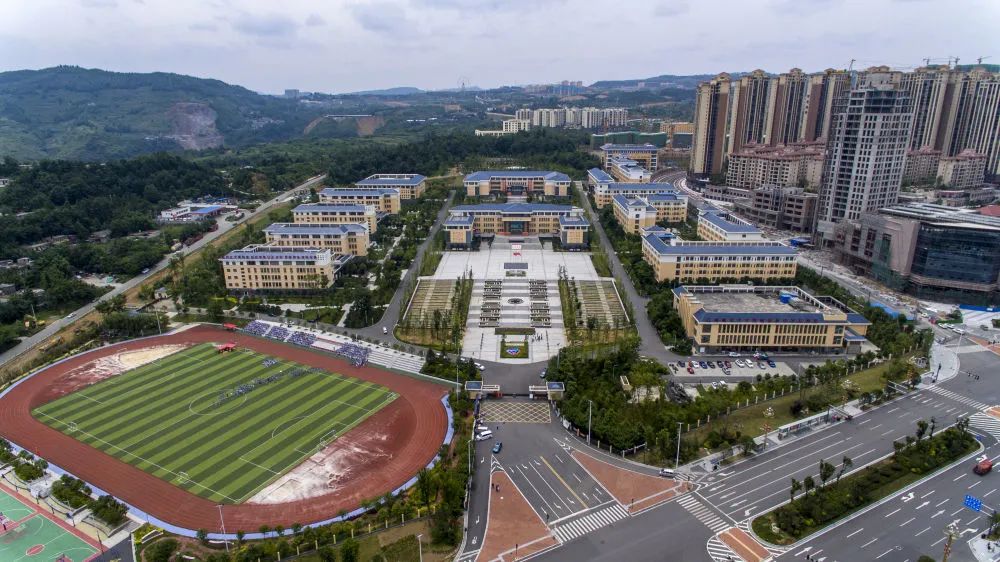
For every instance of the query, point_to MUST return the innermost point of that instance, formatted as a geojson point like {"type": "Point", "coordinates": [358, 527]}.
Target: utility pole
{"type": "Point", "coordinates": [590, 411]}
{"type": "Point", "coordinates": [677, 459]}
{"type": "Point", "coordinates": [223, 522]}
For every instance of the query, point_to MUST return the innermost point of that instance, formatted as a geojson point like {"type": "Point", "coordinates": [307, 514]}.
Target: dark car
{"type": "Point", "coordinates": [497, 447]}
{"type": "Point", "coordinates": [681, 364]}
{"type": "Point", "coordinates": [703, 365]}
{"type": "Point", "coordinates": [771, 364]}
{"type": "Point", "coordinates": [711, 364]}
{"type": "Point", "coordinates": [690, 370]}
{"type": "Point", "coordinates": [729, 365]}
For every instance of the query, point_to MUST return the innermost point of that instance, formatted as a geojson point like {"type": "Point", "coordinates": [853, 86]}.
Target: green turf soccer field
{"type": "Point", "coordinates": [35, 537]}
{"type": "Point", "coordinates": [164, 418]}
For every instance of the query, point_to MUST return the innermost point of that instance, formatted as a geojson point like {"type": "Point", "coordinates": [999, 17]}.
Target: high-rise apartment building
{"type": "Point", "coordinates": [785, 115]}
{"type": "Point", "coordinates": [821, 89]}
{"type": "Point", "coordinates": [711, 114]}
{"type": "Point", "coordinates": [748, 114]}
{"type": "Point", "coordinates": [865, 152]}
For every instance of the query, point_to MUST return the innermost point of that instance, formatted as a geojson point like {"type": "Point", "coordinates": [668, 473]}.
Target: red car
{"type": "Point", "coordinates": [690, 371]}
{"type": "Point", "coordinates": [983, 467]}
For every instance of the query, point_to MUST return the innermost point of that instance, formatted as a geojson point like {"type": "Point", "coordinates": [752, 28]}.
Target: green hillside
{"type": "Point", "coordinates": [76, 113]}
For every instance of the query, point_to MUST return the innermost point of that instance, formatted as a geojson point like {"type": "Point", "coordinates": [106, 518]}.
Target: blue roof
{"type": "Point", "coordinates": [714, 218]}
{"type": "Point", "coordinates": [600, 175]}
{"type": "Point", "coordinates": [351, 207]}
{"type": "Point", "coordinates": [314, 228]}
{"type": "Point", "coordinates": [207, 210]}
{"type": "Point", "coordinates": [661, 247]}
{"type": "Point", "coordinates": [275, 253]}
{"type": "Point", "coordinates": [513, 207]}
{"type": "Point", "coordinates": [570, 220]}
{"type": "Point", "coordinates": [656, 187]}
{"type": "Point", "coordinates": [490, 174]}
{"type": "Point", "coordinates": [460, 220]}
{"type": "Point", "coordinates": [631, 147]}
{"type": "Point", "coordinates": [855, 318]}
{"type": "Point", "coordinates": [851, 335]}
{"type": "Point", "coordinates": [655, 228]}
{"type": "Point", "coordinates": [663, 197]}
{"type": "Point", "coordinates": [356, 192]}
{"type": "Point", "coordinates": [627, 202]}
{"type": "Point", "coordinates": [375, 181]}
{"type": "Point", "coordinates": [703, 315]}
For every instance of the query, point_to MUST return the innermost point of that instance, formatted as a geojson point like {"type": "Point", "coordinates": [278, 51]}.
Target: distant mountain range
{"type": "Point", "coordinates": [397, 91]}
{"type": "Point", "coordinates": [665, 80]}
{"type": "Point", "coordinates": [72, 112]}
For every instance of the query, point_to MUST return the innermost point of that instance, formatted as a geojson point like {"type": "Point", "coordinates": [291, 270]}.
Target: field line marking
{"type": "Point", "coordinates": [112, 445]}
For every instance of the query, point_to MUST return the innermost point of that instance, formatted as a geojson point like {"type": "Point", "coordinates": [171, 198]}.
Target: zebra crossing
{"type": "Point", "coordinates": [719, 552]}
{"type": "Point", "coordinates": [985, 422]}
{"type": "Point", "coordinates": [588, 523]}
{"type": "Point", "coordinates": [703, 514]}
{"type": "Point", "coordinates": [958, 397]}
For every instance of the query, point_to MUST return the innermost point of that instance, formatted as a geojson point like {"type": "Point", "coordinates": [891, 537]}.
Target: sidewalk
{"type": "Point", "coordinates": [944, 364]}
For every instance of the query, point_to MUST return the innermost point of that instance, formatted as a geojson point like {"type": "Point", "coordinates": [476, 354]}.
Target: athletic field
{"type": "Point", "coordinates": [172, 418]}
{"type": "Point", "coordinates": [31, 535]}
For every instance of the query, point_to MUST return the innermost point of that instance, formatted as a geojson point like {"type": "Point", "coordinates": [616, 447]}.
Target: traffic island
{"type": "Point", "coordinates": [634, 490]}
{"type": "Point", "coordinates": [513, 530]}
{"type": "Point", "coordinates": [744, 545]}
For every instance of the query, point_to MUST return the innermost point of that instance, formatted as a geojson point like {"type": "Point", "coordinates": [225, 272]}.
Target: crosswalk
{"type": "Point", "coordinates": [588, 523]}
{"type": "Point", "coordinates": [985, 422]}
{"type": "Point", "coordinates": [719, 552]}
{"type": "Point", "coordinates": [703, 514]}
{"type": "Point", "coordinates": [958, 397]}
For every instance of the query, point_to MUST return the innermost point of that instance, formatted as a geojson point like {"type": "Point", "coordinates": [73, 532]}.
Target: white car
{"type": "Point", "coordinates": [733, 354]}
{"type": "Point", "coordinates": [739, 363]}
{"type": "Point", "coordinates": [480, 366]}
{"type": "Point", "coordinates": [715, 385]}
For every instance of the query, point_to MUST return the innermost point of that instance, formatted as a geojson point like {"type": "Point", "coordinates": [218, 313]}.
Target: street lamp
{"type": "Point", "coordinates": [223, 522]}
{"type": "Point", "coordinates": [590, 411]}
{"type": "Point", "coordinates": [420, 548]}
{"type": "Point", "coordinates": [677, 459]}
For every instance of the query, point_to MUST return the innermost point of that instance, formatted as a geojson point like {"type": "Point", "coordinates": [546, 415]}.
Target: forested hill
{"type": "Point", "coordinates": [76, 113]}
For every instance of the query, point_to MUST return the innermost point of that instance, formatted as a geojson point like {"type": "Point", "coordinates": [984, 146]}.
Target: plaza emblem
{"type": "Point", "coordinates": [512, 350]}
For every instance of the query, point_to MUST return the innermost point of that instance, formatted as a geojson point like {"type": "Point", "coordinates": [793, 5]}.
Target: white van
{"type": "Point", "coordinates": [958, 331]}
{"type": "Point", "coordinates": [667, 473]}
{"type": "Point", "coordinates": [484, 435]}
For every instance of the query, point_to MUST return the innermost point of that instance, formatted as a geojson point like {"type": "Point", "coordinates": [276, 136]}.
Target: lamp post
{"type": "Point", "coordinates": [590, 411]}
{"type": "Point", "coordinates": [420, 548]}
{"type": "Point", "coordinates": [223, 522]}
{"type": "Point", "coordinates": [677, 459]}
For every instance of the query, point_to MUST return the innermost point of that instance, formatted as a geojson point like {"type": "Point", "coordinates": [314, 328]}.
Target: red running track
{"type": "Point", "coordinates": [415, 424]}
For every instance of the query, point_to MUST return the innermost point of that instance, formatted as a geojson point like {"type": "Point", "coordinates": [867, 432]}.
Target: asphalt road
{"type": "Point", "coordinates": [911, 523]}
{"type": "Point", "coordinates": [224, 227]}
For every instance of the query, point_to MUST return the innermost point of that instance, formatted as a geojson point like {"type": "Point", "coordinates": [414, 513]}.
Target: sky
{"type": "Point", "coordinates": [339, 46]}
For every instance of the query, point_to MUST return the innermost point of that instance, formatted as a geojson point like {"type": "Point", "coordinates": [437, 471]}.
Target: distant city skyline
{"type": "Point", "coordinates": [344, 46]}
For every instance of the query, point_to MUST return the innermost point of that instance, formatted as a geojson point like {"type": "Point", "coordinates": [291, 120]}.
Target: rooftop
{"type": "Point", "coordinates": [376, 180]}
{"type": "Point", "coordinates": [662, 247]}
{"type": "Point", "coordinates": [206, 210]}
{"type": "Point", "coordinates": [932, 213]}
{"type": "Point", "coordinates": [313, 228]}
{"type": "Point", "coordinates": [348, 208]}
{"type": "Point", "coordinates": [573, 220]}
{"type": "Point", "coordinates": [741, 303]}
{"type": "Point", "coordinates": [513, 208]}
{"type": "Point", "coordinates": [632, 202]}
{"type": "Point", "coordinates": [629, 147]}
{"type": "Point", "coordinates": [600, 176]}
{"type": "Point", "coordinates": [460, 220]}
{"type": "Point", "coordinates": [644, 187]}
{"type": "Point", "coordinates": [350, 192]}
{"type": "Point", "coordinates": [722, 221]}
{"type": "Point", "coordinates": [490, 174]}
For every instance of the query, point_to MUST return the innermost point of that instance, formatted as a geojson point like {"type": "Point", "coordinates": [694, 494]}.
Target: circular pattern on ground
{"type": "Point", "coordinates": [400, 439]}
{"type": "Point", "coordinates": [515, 300]}
{"type": "Point", "coordinates": [34, 550]}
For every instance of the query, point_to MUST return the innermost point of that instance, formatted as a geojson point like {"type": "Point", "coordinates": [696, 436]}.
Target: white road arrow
{"type": "Point", "coordinates": [747, 511]}
{"type": "Point", "coordinates": [724, 496]}
{"type": "Point", "coordinates": [938, 513]}
{"type": "Point", "coordinates": [907, 497]}
{"type": "Point", "coordinates": [738, 503]}
{"type": "Point", "coordinates": [925, 504]}
{"type": "Point", "coordinates": [727, 473]}
{"type": "Point", "coordinates": [967, 530]}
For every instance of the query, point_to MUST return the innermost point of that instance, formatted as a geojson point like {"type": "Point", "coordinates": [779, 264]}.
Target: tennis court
{"type": "Point", "coordinates": [32, 535]}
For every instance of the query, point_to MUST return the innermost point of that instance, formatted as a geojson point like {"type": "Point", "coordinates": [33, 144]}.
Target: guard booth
{"type": "Point", "coordinates": [478, 390]}
{"type": "Point", "coordinates": [550, 391]}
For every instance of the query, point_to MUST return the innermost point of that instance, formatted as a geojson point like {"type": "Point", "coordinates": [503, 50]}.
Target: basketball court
{"type": "Point", "coordinates": [32, 535]}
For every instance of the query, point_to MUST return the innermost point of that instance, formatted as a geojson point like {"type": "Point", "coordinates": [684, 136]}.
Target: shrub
{"type": "Point", "coordinates": [109, 510]}
{"type": "Point", "coordinates": [161, 550]}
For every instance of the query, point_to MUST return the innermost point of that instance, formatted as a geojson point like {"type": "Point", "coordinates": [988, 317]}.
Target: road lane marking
{"type": "Point", "coordinates": [891, 513]}
{"type": "Point", "coordinates": [990, 492]}
{"type": "Point", "coordinates": [922, 532]}
{"type": "Point", "coordinates": [563, 481]}
{"type": "Point", "coordinates": [887, 433]}
{"type": "Point", "coordinates": [958, 477]}
{"type": "Point", "coordinates": [536, 490]}
{"type": "Point", "coordinates": [974, 485]}
{"type": "Point", "coordinates": [927, 494]}
{"type": "Point", "coordinates": [956, 511]}
{"type": "Point", "coordinates": [884, 553]}
{"type": "Point", "coordinates": [942, 502]}
{"type": "Point", "coordinates": [577, 478]}
{"type": "Point", "coordinates": [864, 422]}
{"type": "Point", "coordinates": [549, 486]}
{"type": "Point", "coordinates": [910, 520]}
{"type": "Point", "coordinates": [869, 542]}
{"type": "Point", "coordinates": [896, 408]}
{"type": "Point", "coordinates": [855, 532]}
{"type": "Point", "coordinates": [874, 427]}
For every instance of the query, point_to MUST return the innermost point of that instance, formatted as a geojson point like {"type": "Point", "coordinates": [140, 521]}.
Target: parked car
{"type": "Point", "coordinates": [694, 365]}
{"type": "Point", "coordinates": [739, 363]}
{"type": "Point", "coordinates": [497, 447]}
{"type": "Point", "coordinates": [761, 365]}
{"type": "Point", "coordinates": [690, 371]}
{"type": "Point", "coordinates": [729, 365]}
{"type": "Point", "coordinates": [763, 356]}
{"type": "Point", "coordinates": [771, 364]}
{"type": "Point", "coordinates": [673, 367]}
{"type": "Point", "coordinates": [703, 365]}
{"type": "Point", "coordinates": [715, 385]}
{"type": "Point", "coordinates": [733, 354]}
{"type": "Point", "coordinates": [681, 364]}
{"type": "Point", "coordinates": [480, 366]}
{"type": "Point", "coordinates": [711, 364]}
{"type": "Point", "coordinates": [545, 371]}
{"type": "Point", "coordinates": [484, 436]}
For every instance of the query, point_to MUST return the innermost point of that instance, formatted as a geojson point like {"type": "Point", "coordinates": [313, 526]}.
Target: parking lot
{"type": "Point", "coordinates": [730, 367]}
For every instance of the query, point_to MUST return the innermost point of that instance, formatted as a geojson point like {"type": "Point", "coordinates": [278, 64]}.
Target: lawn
{"type": "Point", "coordinates": [510, 350]}
{"type": "Point", "coordinates": [167, 419]}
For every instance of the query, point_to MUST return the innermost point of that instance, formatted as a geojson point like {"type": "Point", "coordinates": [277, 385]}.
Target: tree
{"type": "Point", "coordinates": [925, 558]}
{"type": "Point", "coordinates": [279, 530]}
{"type": "Point", "coordinates": [921, 429]}
{"type": "Point", "coordinates": [796, 486]}
{"type": "Point", "coordinates": [202, 536]}
{"type": "Point", "coordinates": [264, 529]}
{"type": "Point", "coordinates": [296, 528]}
{"type": "Point", "coordinates": [896, 448]}
{"type": "Point", "coordinates": [826, 470]}
{"type": "Point", "coordinates": [933, 425]}
{"type": "Point", "coordinates": [425, 485]}
{"type": "Point", "coordinates": [845, 464]}
{"type": "Point", "coordinates": [747, 444]}
{"type": "Point", "coordinates": [239, 537]}
{"type": "Point", "coordinates": [809, 484]}
{"type": "Point", "coordinates": [349, 551]}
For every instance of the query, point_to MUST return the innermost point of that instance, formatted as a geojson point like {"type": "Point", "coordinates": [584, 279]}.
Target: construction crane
{"type": "Point", "coordinates": [981, 59]}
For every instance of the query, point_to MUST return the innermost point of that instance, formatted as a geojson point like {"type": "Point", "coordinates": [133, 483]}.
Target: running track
{"type": "Point", "coordinates": [416, 422]}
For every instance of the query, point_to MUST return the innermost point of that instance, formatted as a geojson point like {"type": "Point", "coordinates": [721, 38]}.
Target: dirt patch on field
{"type": "Point", "coordinates": [334, 468]}
{"type": "Point", "coordinates": [112, 365]}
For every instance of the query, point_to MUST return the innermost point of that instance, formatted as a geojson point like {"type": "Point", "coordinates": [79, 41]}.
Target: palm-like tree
{"type": "Point", "coordinates": [845, 464]}
{"type": "Point", "coordinates": [796, 486]}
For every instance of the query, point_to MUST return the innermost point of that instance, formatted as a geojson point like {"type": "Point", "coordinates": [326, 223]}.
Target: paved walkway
{"type": "Point", "coordinates": [634, 490]}
{"type": "Point", "coordinates": [515, 530]}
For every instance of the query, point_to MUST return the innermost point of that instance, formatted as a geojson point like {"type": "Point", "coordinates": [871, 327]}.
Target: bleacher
{"type": "Point", "coordinates": [257, 328]}
{"type": "Point", "coordinates": [357, 355]}
{"type": "Point", "coordinates": [279, 333]}
{"type": "Point", "coordinates": [305, 339]}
